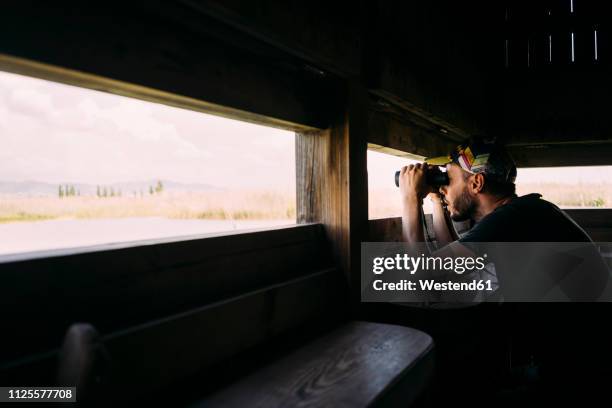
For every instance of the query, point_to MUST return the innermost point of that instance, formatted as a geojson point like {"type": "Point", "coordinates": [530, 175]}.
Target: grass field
{"type": "Point", "coordinates": [247, 205]}
{"type": "Point", "coordinates": [575, 195]}
{"type": "Point", "coordinates": [385, 202]}
{"type": "Point", "coordinates": [226, 205]}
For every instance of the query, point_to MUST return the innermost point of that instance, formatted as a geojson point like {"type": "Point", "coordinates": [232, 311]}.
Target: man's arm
{"type": "Point", "coordinates": [412, 222]}
{"type": "Point", "coordinates": [445, 233]}
{"type": "Point", "coordinates": [413, 189]}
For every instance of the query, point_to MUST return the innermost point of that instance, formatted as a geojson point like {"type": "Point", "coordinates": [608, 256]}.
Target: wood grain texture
{"type": "Point", "coordinates": [145, 358]}
{"type": "Point", "coordinates": [432, 59]}
{"type": "Point", "coordinates": [353, 366]}
{"type": "Point", "coordinates": [188, 343]}
{"type": "Point", "coordinates": [159, 49]}
{"type": "Point", "coordinates": [388, 130]}
{"type": "Point", "coordinates": [324, 33]}
{"type": "Point", "coordinates": [390, 229]}
{"type": "Point", "coordinates": [555, 99]}
{"type": "Point", "coordinates": [332, 181]}
{"type": "Point", "coordinates": [576, 153]}
{"type": "Point", "coordinates": [116, 288]}
{"type": "Point", "coordinates": [596, 222]}
{"type": "Point", "coordinates": [385, 230]}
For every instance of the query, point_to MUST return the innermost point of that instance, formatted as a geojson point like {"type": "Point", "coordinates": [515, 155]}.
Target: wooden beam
{"type": "Point", "coordinates": [332, 182]}
{"type": "Point", "coordinates": [326, 34]}
{"type": "Point", "coordinates": [165, 47]}
{"type": "Point", "coordinates": [558, 155]}
{"type": "Point", "coordinates": [59, 74]}
{"type": "Point", "coordinates": [390, 131]}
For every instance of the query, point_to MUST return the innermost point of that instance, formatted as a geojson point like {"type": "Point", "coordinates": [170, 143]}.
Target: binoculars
{"type": "Point", "coordinates": [433, 177]}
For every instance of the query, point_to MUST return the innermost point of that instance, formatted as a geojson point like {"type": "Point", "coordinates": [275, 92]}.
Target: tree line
{"type": "Point", "coordinates": [68, 190]}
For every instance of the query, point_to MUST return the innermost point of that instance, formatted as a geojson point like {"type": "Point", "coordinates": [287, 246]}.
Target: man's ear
{"type": "Point", "coordinates": [477, 183]}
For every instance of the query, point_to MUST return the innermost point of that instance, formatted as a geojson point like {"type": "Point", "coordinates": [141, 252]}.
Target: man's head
{"type": "Point", "coordinates": [479, 173]}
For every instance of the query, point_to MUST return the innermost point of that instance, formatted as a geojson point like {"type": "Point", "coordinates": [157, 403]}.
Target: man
{"type": "Point", "coordinates": [481, 189]}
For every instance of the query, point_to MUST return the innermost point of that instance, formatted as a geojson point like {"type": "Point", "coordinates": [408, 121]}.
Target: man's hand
{"type": "Point", "coordinates": [412, 182]}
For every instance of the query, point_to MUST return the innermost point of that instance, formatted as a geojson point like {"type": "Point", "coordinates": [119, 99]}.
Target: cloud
{"type": "Point", "coordinates": [30, 101]}
{"type": "Point", "coordinates": [58, 132]}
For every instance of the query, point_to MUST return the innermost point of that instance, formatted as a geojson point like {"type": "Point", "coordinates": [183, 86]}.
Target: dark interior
{"type": "Point", "coordinates": [273, 317]}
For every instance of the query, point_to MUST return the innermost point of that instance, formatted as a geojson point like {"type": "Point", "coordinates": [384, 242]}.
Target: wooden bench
{"type": "Point", "coordinates": [357, 365]}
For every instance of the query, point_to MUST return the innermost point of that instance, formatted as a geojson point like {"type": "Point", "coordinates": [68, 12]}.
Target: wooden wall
{"type": "Point", "coordinates": [332, 182]}
{"type": "Point", "coordinates": [596, 222]}
{"type": "Point", "coordinates": [552, 101]}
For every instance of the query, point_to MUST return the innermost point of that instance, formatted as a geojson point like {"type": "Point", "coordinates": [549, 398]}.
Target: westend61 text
{"type": "Point", "coordinates": [429, 284]}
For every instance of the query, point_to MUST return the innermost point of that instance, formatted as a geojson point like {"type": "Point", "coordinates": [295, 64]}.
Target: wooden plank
{"type": "Point", "coordinates": [560, 155]}
{"type": "Point", "coordinates": [432, 58]}
{"type": "Point", "coordinates": [429, 120]}
{"type": "Point", "coordinates": [332, 182]}
{"type": "Point", "coordinates": [337, 370]}
{"type": "Point", "coordinates": [591, 217]}
{"type": "Point", "coordinates": [325, 34]}
{"type": "Point", "coordinates": [188, 343]}
{"type": "Point", "coordinates": [597, 222]}
{"type": "Point", "coordinates": [560, 100]}
{"type": "Point", "coordinates": [389, 131]}
{"type": "Point", "coordinates": [117, 288]}
{"type": "Point", "coordinates": [566, 104]}
{"type": "Point", "coordinates": [390, 229]}
{"type": "Point", "coordinates": [385, 230]}
{"type": "Point", "coordinates": [599, 234]}
{"type": "Point", "coordinates": [78, 78]}
{"type": "Point", "coordinates": [170, 55]}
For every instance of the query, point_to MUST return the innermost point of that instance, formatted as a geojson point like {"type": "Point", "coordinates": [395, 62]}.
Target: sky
{"type": "Point", "coordinates": [58, 133]}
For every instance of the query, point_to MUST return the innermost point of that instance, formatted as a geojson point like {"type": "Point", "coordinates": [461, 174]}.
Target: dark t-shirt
{"type": "Point", "coordinates": [526, 219]}
{"type": "Point", "coordinates": [549, 270]}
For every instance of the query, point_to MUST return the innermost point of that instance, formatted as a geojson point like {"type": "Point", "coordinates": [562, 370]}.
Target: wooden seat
{"type": "Point", "coordinates": [359, 364]}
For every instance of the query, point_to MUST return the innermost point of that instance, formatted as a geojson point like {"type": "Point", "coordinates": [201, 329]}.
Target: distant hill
{"type": "Point", "coordinates": [127, 188]}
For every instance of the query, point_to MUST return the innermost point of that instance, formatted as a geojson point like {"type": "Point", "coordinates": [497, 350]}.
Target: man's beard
{"type": "Point", "coordinates": [464, 206]}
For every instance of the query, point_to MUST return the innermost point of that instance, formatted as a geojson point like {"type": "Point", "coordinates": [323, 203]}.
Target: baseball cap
{"type": "Point", "coordinates": [475, 157]}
